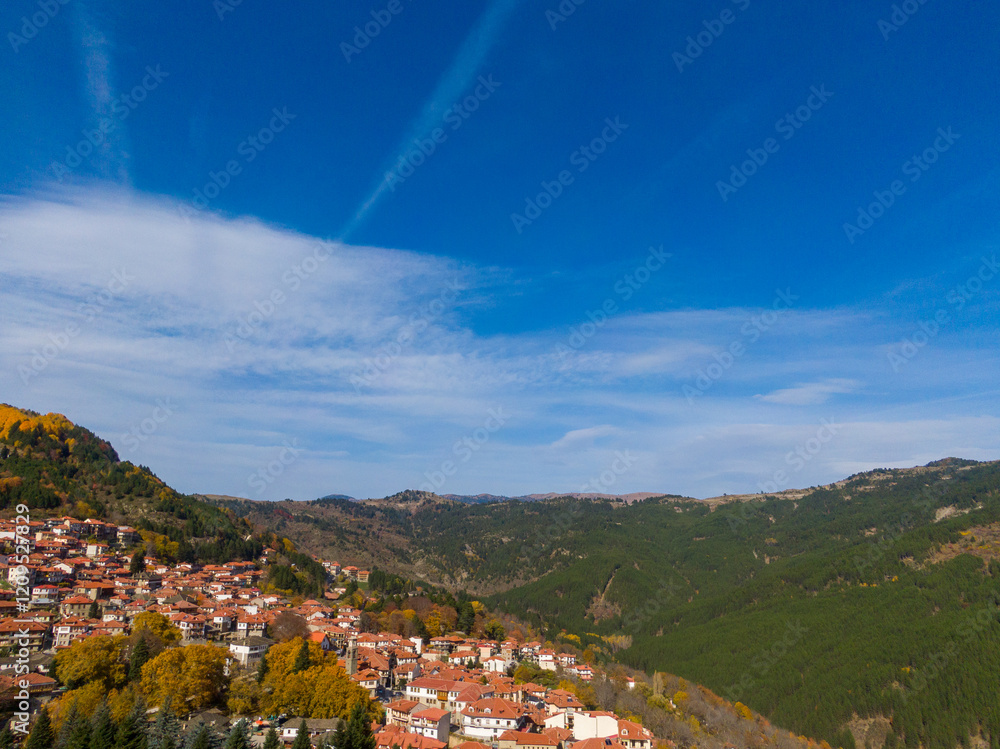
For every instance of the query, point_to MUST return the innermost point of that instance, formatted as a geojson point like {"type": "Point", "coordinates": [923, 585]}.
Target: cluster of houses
{"type": "Point", "coordinates": [447, 691]}
{"type": "Point", "coordinates": [350, 572]}
{"type": "Point", "coordinates": [486, 707]}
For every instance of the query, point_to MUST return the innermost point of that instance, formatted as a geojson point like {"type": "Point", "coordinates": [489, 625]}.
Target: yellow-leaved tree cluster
{"type": "Point", "coordinates": [300, 679]}
{"type": "Point", "coordinates": [55, 425]}
{"type": "Point", "coordinates": [147, 664]}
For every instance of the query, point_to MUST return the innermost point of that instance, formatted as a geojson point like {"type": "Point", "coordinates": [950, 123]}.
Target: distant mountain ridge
{"type": "Point", "coordinates": [480, 499]}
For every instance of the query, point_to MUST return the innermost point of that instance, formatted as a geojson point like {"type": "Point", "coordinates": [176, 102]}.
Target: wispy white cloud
{"type": "Point", "coordinates": [810, 394]}
{"type": "Point", "coordinates": [195, 323]}
{"type": "Point", "coordinates": [585, 437]}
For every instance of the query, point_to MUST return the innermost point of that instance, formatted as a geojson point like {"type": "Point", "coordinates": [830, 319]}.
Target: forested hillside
{"type": "Point", "coordinates": [56, 467]}
{"type": "Point", "coordinates": [869, 605]}
{"type": "Point", "coordinates": [877, 598]}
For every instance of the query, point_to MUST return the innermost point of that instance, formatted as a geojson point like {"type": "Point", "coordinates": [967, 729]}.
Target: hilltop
{"type": "Point", "coordinates": [58, 468]}
{"type": "Point", "coordinates": [480, 499]}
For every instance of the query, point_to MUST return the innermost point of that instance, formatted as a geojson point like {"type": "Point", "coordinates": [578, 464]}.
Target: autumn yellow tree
{"type": "Point", "coordinates": [158, 626]}
{"type": "Point", "coordinates": [244, 694]}
{"type": "Point", "coordinates": [743, 711]}
{"type": "Point", "coordinates": [321, 690]}
{"type": "Point", "coordinates": [336, 693]}
{"type": "Point", "coordinates": [193, 677]}
{"type": "Point", "coordinates": [434, 624]}
{"type": "Point", "coordinates": [86, 699]}
{"type": "Point", "coordinates": [122, 701]}
{"type": "Point", "coordinates": [55, 425]}
{"type": "Point", "coordinates": [522, 674]}
{"type": "Point", "coordinates": [159, 545]}
{"type": "Point", "coordinates": [92, 659]}
{"type": "Point", "coordinates": [584, 692]}
{"type": "Point", "coordinates": [281, 659]}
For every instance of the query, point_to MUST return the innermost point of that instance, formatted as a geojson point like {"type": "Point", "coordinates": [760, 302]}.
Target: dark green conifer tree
{"type": "Point", "coordinates": [239, 736]}
{"type": "Point", "coordinates": [103, 729]}
{"type": "Point", "coordinates": [132, 731]}
{"type": "Point", "coordinates": [137, 659]}
{"type": "Point", "coordinates": [79, 737]}
{"type": "Point", "coordinates": [41, 736]}
{"type": "Point", "coordinates": [302, 737]}
{"type": "Point", "coordinates": [72, 718]}
{"type": "Point", "coordinates": [165, 729]}
{"type": "Point", "coordinates": [359, 729]}
{"type": "Point", "coordinates": [7, 737]}
{"type": "Point", "coordinates": [302, 660]}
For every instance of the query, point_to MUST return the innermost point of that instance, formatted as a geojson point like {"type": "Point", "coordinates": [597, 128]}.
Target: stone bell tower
{"type": "Point", "coordinates": [351, 657]}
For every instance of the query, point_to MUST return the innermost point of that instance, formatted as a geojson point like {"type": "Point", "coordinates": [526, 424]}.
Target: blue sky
{"type": "Point", "coordinates": [503, 247]}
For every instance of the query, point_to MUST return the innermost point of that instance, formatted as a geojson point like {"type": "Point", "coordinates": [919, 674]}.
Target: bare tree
{"type": "Point", "coordinates": [288, 625]}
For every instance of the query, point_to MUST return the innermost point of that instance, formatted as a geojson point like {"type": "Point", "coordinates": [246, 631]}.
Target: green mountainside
{"type": "Point", "coordinates": [875, 598]}
{"type": "Point", "coordinates": [869, 606]}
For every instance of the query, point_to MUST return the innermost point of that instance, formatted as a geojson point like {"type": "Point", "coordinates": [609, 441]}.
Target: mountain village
{"type": "Point", "coordinates": [436, 692]}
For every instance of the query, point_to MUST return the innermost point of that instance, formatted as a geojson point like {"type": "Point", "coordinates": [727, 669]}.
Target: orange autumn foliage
{"type": "Point", "coordinates": [55, 425]}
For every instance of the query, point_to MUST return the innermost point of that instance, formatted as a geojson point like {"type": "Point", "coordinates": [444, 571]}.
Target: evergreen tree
{"type": "Point", "coordinates": [165, 728]}
{"type": "Point", "coordinates": [137, 565]}
{"type": "Point", "coordinates": [41, 736]}
{"type": "Point", "coordinates": [262, 670]}
{"type": "Point", "coordinates": [102, 734]}
{"type": "Point", "coordinates": [203, 736]}
{"type": "Point", "coordinates": [7, 738]}
{"type": "Point", "coordinates": [137, 659]}
{"type": "Point", "coordinates": [302, 737]}
{"type": "Point", "coordinates": [340, 740]}
{"type": "Point", "coordinates": [359, 729]}
{"type": "Point", "coordinates": [132, 731]}
{"type": "Point", "coordinates": [198, 738]}
{"type": "Point", "coordinates": [94, 612]}
{"type": "Point", "coordinates": [466, 617]}
{"type": "Point", "coordinates": [271, 739]}
{"type": "Point", "coordinates": [302, 661]}
{"type": "Point", "coordinates": [72, 719]}
{"type": "Point", "coordinates": [239, 736]}
{"type": "Point", "coordinates": [79, 737]}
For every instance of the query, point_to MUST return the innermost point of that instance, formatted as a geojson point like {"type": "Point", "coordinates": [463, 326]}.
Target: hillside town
{"type": "Point", "coordinates": [450, 690]}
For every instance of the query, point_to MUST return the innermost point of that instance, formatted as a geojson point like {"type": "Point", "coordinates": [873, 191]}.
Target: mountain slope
{"type": "Point", "coordinates": [870, 600]}
{"type": "Point", "coordinates": [56, 467]}
{"type": "Point", "coordinates": [810, 611]}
